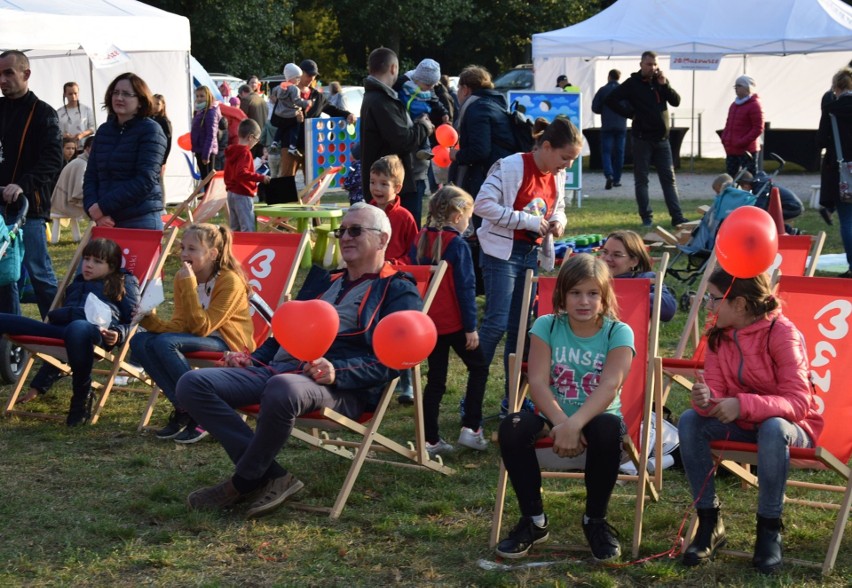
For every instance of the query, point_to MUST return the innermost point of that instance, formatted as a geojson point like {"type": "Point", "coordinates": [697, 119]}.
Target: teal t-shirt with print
{"type": "Point", "coordinates": [576, 362]}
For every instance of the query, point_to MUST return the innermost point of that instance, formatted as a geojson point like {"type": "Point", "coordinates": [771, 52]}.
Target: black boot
{"type": "Point", "coordinates": [767, 547]}
{"type": "Point", "coordinates": [709, 537]}
{"type": "Point", "coordinates": [81, 409]}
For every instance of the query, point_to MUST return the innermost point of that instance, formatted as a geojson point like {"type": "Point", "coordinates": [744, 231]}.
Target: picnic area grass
{"type": "Point", "coordinates": [104, 505]}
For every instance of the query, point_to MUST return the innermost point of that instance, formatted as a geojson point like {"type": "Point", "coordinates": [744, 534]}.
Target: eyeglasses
{"type": "Point", "coordinates": [123, 94]}
{"type": "Point", "coordinates": [612, 254]}
{"type": "Point", "coordinates": [354, 231]}
{"type": "Point", "coordinates": [710, 300]}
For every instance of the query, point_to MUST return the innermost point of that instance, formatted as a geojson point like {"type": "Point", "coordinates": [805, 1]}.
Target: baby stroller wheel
{"type": "Point", "coordinates": [12, 360]}
{"type": "Point", "coordinates": [686, 300]}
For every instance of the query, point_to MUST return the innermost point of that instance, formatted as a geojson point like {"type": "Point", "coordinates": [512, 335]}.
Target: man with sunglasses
{"type": "Point", "coordinates": [347, 379]}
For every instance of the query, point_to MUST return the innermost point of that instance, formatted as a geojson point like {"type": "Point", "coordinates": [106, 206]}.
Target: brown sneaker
{"type": "Point", "coordinates": [217, 497]}
{"type": "Point", "coordinates": [276, 491]}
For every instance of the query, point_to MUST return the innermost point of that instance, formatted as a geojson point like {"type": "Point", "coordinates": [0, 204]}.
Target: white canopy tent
{"type": "Point", "coordinates": [54, 33]}
{"type": "Point", "coordinates": [790, 47]}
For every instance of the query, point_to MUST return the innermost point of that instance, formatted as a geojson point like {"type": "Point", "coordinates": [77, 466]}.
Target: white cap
{"type": "Point", "coordinates": [291, 70]}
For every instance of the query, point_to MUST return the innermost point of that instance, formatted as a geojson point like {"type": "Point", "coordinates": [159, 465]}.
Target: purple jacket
{"type": "Point", "coordinates": [205, 123]}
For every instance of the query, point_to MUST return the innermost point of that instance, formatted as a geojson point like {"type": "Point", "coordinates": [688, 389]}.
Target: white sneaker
{"type": "Point", "coordinates": [439, 448]}
{"type": "Point", "coordinates": [473, 439]}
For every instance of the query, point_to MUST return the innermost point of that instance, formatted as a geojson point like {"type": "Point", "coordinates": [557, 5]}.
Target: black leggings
{"type": "Point", "coordinates": [518, 434]}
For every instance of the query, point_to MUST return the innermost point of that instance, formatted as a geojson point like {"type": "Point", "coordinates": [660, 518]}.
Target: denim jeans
{"type": "Point", "coordinates": [241, 210]}
{"type": "Point", "coordinates": [774, 437]}
{"type": "Point", "coordinates": [413, 203]}
{"type": "Point", "coordinates": [660, 154]}
{"type": "Point", "coordinates": [162, 356]}
{"type": "Point", "coordinates": [80, 339]}
{"type": "Point", "coordinates": [612, 153]}
{"type": "Point", "coordinates": [211, 394]}
{"type": "Point", "coordinates": [39, 268]}
{"type": "Point", "coordinates": [504, 293]}
{"type": "Point", "coordinates": [152, 221]}
{"type": "Point", "coordinates": [844, 213]}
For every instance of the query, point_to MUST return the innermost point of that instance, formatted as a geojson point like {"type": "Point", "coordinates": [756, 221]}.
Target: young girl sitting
{"type": "Point", "coordinates": [755, 389]}
{"type": "Point", "coordinates": [102, 276]}
{"type": "Point", "coordinates": [211, 313]}
{"type": "Point", "coordinates": [454, 314]}
{"type": "Point", "coordinates": [579, 358]}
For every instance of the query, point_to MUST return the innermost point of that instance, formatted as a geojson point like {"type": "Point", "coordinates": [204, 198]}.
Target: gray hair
{"type": "Point", "coordinates": [379, 218]}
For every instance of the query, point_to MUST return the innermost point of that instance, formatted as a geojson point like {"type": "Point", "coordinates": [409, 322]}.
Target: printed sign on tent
{"type": "Point", "coordinates": [105, 55]}
{"type": "Point", "coordinates": [696, 61]}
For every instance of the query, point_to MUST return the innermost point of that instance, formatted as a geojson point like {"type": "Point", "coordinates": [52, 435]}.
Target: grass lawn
{"type": "Point", "coordinates": [104, 505]}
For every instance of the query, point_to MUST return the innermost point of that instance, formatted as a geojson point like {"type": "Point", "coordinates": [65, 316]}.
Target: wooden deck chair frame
{"type": "Point", "coordinates": [186, 206]}
{"type": "Point", "coordinates": [828, 344]}
{"type": "Point", "coordinates": [646, 487]}
{"type": "Point", "coordinates": [367, 427]}
{"type": "Point", "coordinates": [260, 256]}
{"type": "Point", "coordinates": [52, 351]}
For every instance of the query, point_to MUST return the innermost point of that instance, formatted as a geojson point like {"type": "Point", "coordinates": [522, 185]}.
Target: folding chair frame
{"type": "Point", "coordinates": [184, 207]}
{"type": "Point", "coordinates": [646, 485]}
{"type": "Point", "coordinates": [53, 351]}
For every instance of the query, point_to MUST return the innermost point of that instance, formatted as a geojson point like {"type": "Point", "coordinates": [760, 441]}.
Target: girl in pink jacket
{"type": "Point", "coordinates": [755, 389]}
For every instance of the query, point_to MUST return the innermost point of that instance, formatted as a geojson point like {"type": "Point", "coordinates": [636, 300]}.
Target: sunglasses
{"type": "Point", "coordinates": [354, 231]}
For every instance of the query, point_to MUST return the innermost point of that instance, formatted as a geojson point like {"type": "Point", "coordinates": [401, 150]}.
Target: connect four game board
{"type": "Point", "coordinates": [327, 144]}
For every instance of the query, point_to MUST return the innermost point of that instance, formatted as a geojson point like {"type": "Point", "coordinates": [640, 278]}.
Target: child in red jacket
{"type": "Point", "coordinates": [241, 179]}
{"type": "Point", "coordinates": [386, 176]}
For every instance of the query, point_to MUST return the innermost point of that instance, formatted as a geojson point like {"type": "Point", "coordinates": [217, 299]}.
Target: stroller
{"type": "Point", "coordinates": [12, 358]}
{"type": "Point", "coordinates": [761, 187]}
{"type": "Point", "coordinates": [697, 251]}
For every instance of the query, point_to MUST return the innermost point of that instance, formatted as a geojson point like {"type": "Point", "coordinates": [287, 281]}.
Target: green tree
{"type": "Point", "coordinates": [240, 37]}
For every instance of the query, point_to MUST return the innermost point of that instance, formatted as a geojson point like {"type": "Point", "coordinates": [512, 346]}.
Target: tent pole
{"type": "Point", "coordinates": [92, 87]}
{"type": "Point", "coordinates": [692, 134]}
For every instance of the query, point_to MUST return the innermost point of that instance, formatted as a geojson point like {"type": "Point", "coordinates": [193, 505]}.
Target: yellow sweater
{"type": "Point", "coordinates": [227, 313]}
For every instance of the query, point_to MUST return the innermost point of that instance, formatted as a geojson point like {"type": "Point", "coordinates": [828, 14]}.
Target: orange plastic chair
{"type": "Point", "coordinates": [145, 253]}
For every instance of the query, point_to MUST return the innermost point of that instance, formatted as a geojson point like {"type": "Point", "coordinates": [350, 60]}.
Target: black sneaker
{"type": "Point", "coordinates": [608, 185]}
{"type": "Point", "coordinates": [681, 221]}
{"type": "Point", "coordinates": [191, 434]}
{"type": "Point", "coordinates": [525, 534]}
{"type": "Point", "coordinates": [177, 423]}
{"type": "Point", "coordinates": [602, 538]}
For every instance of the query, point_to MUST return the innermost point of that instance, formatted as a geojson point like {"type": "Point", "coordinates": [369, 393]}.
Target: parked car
{"type": "Point", "coordinates": [233, 82]}
{"type": "Point", "coordinates": [517, 78]}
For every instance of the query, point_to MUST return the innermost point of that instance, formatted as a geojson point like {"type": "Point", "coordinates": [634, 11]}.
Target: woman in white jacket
{"type": "Point", "coordinates": [521, 201]}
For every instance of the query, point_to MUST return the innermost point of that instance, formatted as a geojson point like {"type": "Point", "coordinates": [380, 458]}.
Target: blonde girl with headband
{"type": "Point", "coordinates": [211, 313]}
{"type": "Point", "coordinates": [755, 389]}
{"type": "Point", "coordinates": [579, 357]}
{"type": "Point", "coordinates": [454, 314]}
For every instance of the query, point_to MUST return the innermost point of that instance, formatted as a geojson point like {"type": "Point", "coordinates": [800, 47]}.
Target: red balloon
{"type": "Point", "coordinates": [185, 142]}
{"type": "Point", "coordinates": [446, 135]}
{"type": "Point", "coordinates": [404, 338]}
{"type": "Point", "coordinates": [442, 156]}
{"type": "Point", "coordinates": [306, 329]}
{"type": "Point", "coordinates": [747, 242]}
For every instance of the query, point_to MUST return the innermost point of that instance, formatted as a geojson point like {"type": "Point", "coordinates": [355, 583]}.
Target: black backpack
{"type": "Point", "coordinates": [522, 132]}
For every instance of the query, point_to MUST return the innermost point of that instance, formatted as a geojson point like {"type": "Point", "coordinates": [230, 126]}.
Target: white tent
{"type": "Point", "coordinates": [60, 36]}
{"type": "Point", "coordinates": [790, 47]}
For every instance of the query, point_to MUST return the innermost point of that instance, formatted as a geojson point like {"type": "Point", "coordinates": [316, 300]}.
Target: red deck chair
{"type": "Point", "coordinates": [637, 394]}
{"type": "Point", "coordinates": [145, 253]}
{"type": "Point", "coordinates": [793, 253]}
{"type": "Point", "coordinates": [822, 310]}
{"type": "Point", "coordinates": [270, 262]}
{"type": "Point", "coordinates": [366, 427]}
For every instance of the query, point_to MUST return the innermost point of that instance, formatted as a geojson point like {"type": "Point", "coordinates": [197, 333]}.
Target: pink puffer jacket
{"type": "Point", "coordinates": [743, 127]}
{"type": "Point", "coordinates": [766, 367]}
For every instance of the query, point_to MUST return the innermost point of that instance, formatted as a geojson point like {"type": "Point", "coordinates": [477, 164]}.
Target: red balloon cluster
{"type": "Point", "coordinates": [306, 329]}
{"type": "Point", "coordinates": [747, 242]}
{"type": "Point", "coordinates": [405, 338]}
{"type": "Point", "coordinates": [446, 135]}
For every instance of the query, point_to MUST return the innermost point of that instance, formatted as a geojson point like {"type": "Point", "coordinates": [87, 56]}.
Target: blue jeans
{"type": "Point", "coordinates": [413, 203]}
{"type": "Point", "coordinates": [80, 339]}
{"type": "Point", "coordinates": [152, 221]}
{"type": "Point", "coordinates": [504, 293]}
{"type": "Point", "coordinates": [612, 153]}
{"type": "Point", "coordinates": [39, 268]}
{"type": "Point", "coordinates": [660, 154]}
{"type": "Point", "coordinates": [211, 394]}
{"type": "Point", "coordinates": [774, 437]}
{"type": "Point", "coordinates": [162, 356]}
{"type": "Point", "coordinates": [844, 213]}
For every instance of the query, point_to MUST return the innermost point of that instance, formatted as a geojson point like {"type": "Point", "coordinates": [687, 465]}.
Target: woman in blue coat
{"type": "Point", "coordinates": [121, 187]}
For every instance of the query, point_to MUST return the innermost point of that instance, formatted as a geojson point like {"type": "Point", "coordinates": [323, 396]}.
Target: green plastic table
{"type": "Point", "coordinates": [303, 215]}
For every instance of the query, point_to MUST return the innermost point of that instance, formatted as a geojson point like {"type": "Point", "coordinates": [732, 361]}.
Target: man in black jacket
{"type": "Point", "coordinates": [646, 94]}
{"type": "Point", "coordinates": [386, 128]}
{"type": "Point", "coordinates": [30, 161]}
